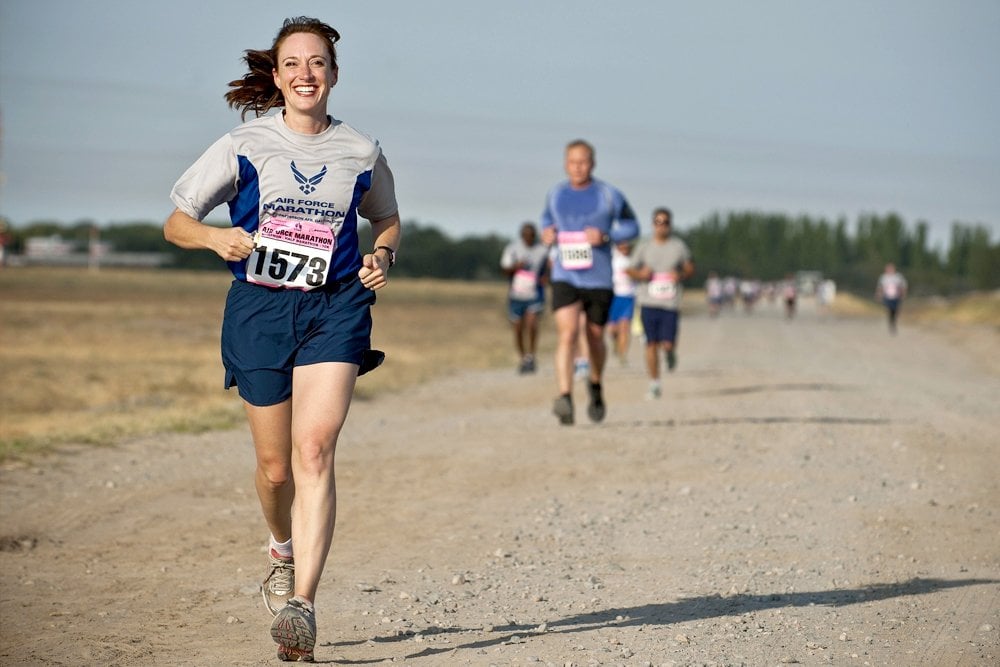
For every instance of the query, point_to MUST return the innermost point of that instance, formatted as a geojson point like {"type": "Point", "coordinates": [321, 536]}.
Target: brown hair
{"type": "Point", "coordinates": [256, 90]}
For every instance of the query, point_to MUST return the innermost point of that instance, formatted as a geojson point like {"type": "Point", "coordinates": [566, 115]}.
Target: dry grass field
{"type": "Point", "coordinates": [94, 357]}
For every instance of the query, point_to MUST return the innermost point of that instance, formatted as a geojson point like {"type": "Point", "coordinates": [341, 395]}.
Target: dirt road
{"type": "Point", "coordinates": [813, 492]}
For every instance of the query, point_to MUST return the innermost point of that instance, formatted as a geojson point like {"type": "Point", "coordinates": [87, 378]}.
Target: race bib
{"type": "Point", "coordinates": [293, 254]}
{"type": "Point", "coordinates": [575, 253]}
{"type": "Point", "coordinates": [524, 286]}
{"type": "Point", "coordinates": [891, 291]}
{"type": "Point", "coordinates": [663, 286]}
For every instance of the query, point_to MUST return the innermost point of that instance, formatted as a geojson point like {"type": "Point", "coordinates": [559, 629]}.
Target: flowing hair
{"type": "Point", "coordinates": [256, 90]}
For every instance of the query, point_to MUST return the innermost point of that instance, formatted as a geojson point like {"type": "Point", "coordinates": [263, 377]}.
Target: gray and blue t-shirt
{"type": "Point", "coordinates": [263, 169]}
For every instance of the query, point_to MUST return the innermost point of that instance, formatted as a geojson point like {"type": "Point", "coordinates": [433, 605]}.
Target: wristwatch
{"type": "Point", "coordinates": [392, 253]}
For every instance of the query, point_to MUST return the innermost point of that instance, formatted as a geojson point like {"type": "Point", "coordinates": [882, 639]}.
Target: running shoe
{"type": "Point", "coordinates": [527, 365]}
{"type": "Point", "coordinates": [294, 631]}
{"type": "Point", "coordinates": [596, 408]}
{"type": "Point", "coordinates": [279, 584]}
{"type": "Point", "coordinates": [563, 408]}
{"type": "Point", "coordinates": [654, 391]}
{"type": "Point", "coordinates": [671, 360]}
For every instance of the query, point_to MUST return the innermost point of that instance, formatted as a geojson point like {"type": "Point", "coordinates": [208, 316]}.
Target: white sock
{"type": "Point", "coordinates": [283, 549]}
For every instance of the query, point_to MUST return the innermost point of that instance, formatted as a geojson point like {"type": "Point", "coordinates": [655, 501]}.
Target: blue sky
{"type": "Point", "coordinates": [794, 106]}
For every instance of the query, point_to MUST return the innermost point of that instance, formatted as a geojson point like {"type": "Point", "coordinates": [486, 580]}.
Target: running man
{"type": "Point", "coordinates": [660, 264]}
{"type": "Point", "coordinates": [524, 262]}
{"type": "Point", "coordinates": [789, 295]}
{"type": "Point", "coordinates": [623, 301]}
{"type": "Point", "coordinates": [891, 290]}
{"type": "Point", "coordinates": [714, 294]}
{"type": "Point", "coordinates": [583, 217]}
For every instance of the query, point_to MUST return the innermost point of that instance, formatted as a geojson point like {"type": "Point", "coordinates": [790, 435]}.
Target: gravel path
{"type": "Point", "coordinates": [813, 492]}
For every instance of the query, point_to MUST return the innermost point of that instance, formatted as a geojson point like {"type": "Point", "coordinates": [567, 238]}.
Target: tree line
{"type": "Point", "coordinates": [769, 246]}
{"type": "Point", "coordinates": [746, 244]}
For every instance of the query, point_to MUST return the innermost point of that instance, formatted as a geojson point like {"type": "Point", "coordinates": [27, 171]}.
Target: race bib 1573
{"type": "Point", "coordinates": [293, 254]}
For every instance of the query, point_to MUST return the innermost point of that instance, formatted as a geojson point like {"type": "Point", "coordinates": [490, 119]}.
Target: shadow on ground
{"type": "Point", "coordinates": [684, 609]}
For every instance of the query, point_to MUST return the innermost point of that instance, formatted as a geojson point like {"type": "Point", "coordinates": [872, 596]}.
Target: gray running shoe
{"type": "Point", "coordinates": [527, 365]}
{"type": "Point", "coordinates": [294, 631]}
{"type": "Point", "coordinates": [563, 408]}
{"type": "Point", "coordinates": [596, 408]}
{"type": "Point", "coordinates": [279, 584]}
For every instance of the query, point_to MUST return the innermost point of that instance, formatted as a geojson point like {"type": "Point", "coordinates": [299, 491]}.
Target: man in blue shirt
{"type": "Point", "coordinates": [583, 219]}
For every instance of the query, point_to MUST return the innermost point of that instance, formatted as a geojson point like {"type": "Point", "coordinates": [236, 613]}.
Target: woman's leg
{"type": "Point", "coordinates": [321, 398]}
{"type": "Point", "coordinates": [271, 428]}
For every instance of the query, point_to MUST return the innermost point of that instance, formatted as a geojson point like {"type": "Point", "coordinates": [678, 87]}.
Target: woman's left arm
{"type": "Point", "coordinates": [375, 265]}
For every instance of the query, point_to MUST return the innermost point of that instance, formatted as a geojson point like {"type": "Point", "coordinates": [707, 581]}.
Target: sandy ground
{"type": "Point", "coordinates": [813, 492]}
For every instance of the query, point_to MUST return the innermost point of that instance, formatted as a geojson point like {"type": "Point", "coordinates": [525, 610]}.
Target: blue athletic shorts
{"type": "Point", "coordinates": [269, 331]}
{"type": "Point", "coordinates": [659, 324]}
{"type": "Point", "coordinates": [622, 308]}
{"type": "Point", "coordinates": [517, 308]}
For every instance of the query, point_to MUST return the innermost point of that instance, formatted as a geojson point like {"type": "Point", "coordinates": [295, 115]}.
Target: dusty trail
{"type": "Point", "coordinates": [812, 491]}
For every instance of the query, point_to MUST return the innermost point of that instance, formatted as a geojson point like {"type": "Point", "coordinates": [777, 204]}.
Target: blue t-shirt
{"type": "Point", "coordinates": [570, 211]}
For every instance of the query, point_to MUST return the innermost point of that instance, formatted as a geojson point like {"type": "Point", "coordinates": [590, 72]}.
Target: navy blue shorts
{"type": "Point", "coordinates": [518, 308]}
{"type": "Point", "coordinates": [659, 324]}
{"type": "Point", "coordinates": [268, 331]}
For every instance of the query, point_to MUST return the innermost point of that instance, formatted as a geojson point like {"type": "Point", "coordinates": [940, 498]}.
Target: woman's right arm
{"type": "Point", "coordinates": [230, 243]}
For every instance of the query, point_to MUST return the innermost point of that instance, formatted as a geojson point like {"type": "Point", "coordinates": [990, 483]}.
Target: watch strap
{"type": "Point", "coordinates": [392, 253]}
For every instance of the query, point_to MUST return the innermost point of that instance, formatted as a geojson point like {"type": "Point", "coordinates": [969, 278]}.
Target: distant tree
{"type": "Point", "coordinates": [136, 237]}
{"type": "Point", "coordinates": [427, 252]}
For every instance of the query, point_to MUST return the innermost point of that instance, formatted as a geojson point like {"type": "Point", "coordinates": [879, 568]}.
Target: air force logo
{"type": "Point", "coordinates": [308, 183]}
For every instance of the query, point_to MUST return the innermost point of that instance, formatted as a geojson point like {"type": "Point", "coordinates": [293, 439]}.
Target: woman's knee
{"type": "Point", "coordinates": [315, 452]}
{"type": "Point", "coordinates": [275, 472]}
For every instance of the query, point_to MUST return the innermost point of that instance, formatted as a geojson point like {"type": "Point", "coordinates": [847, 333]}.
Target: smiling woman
{"type": "Point", "coordinates": [300, 80]}
{"type": "Point", "coordinates": [297, 327]}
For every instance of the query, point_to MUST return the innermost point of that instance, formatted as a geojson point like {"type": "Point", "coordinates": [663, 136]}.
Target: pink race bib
{"type": "Point", "coordinates": [293, 254]}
